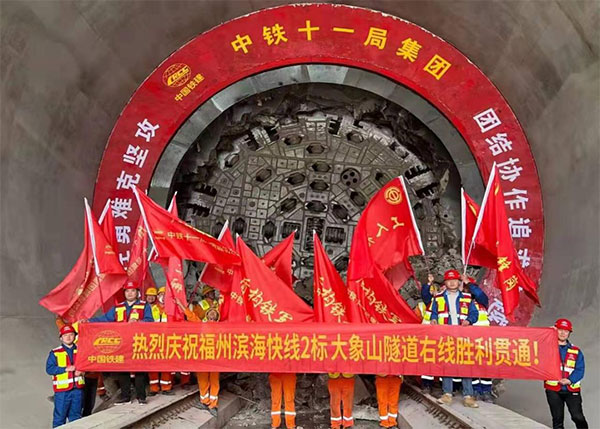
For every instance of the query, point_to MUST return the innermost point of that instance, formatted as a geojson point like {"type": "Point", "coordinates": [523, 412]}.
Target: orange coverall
{"type": "Point", "coordinates": [341, 394]}
{"type": "Point", "coordinates": [208, 382]}
{"type": "Point", "coordinates": [283, 384]}
{"type": "Point", "coordinates": [160, 381]}
{"type": "Point", "coordinates": [388, 394]}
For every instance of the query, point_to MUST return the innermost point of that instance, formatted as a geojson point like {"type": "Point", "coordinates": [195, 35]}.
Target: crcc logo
{"type": "Point", "coordinates": [107, 342]}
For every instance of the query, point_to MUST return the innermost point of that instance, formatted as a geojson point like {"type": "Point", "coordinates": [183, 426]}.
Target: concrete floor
{"type": "Point", "coordinates": [68, 68]}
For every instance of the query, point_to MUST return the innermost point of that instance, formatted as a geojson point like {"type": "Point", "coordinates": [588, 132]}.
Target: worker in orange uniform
{"type": "Point", "coordinates": [341, 395]}
{"type": "Point", "coordinates": [388, 395]}
{"type": "Point", "coordinates": [159, 382]}
{"type": "Point", "coordinates": [208, 382]}
{"type": "Point", "coordinates": [94, 382]}
{"type": "Point", "coordinates": [209, 300]}
{"type": "Point", "coordinates": [283, 384]}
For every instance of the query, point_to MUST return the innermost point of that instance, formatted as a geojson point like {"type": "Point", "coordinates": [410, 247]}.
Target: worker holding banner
{"type": "Point", "coordinates": [163, 381]}
{"type": "Point", "coordinates": [482, 387]}
{"type": "Point", "coordinates": [66, 380]}
{"type": "Point", "coordinates": [94, 381]}
{"type": "Point", "coordinates": [453, 307]}
{"type": "Point", "coordinates": [388, 394]}
{"type": "Point", "coordinates": [567, 389]}
{"type": "Point", "coordinates": [283, 385]}
{"type": "Point", "coordinates": [208, 382]}
{"type": "Point", "coordinates": [129, 311]}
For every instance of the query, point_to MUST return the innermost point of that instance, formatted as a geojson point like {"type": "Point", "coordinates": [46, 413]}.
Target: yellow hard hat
{"type": "Point", "coordinates": [162, 289]}
{"type": "Point", "coordinates": [151, 291]}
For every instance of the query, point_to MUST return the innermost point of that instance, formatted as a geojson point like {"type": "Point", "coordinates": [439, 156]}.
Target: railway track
{"type": "Point", "coordinates": [183, 410]}
{"type": "Point", "coordinates": [443, 414]}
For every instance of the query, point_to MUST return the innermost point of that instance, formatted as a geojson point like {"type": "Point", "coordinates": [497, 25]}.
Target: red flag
{"type": "Point", "coordinates": [471, 252]}
{"type": "Point", "coordinates": [96, 276]}
{"type": "Point", "coordinates": [107, 223]}
{"type": "Point", "coordinates": [399, 274]}
{"type": "Point", "coordinates": [376, 301]}
{"type": "Point", "coordinates": [138, 267]}
{"type": "Point", "coordinates": [173, 237]}
{"type": "Point", "coordinates": [217, 276]}
{"type": "Point", "coordinates": [233, 308]}
{"type": "Point", "coordinates": [264, 297]}
{"type": "Point", "coordinates": [384, 237]}
{"type": "Point", "coordinates": [279, 259]}
{"type": "Point", "coordinates": [390, 228]}
{"type": "Point", "coordinates": [330, 300]}
{"type": "Point", "coordinates": [173, 269]}
{"type": "Point", "coordinates": [492, 232]}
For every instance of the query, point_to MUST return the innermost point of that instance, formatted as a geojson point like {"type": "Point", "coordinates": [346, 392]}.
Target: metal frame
{"type": "Point", "coordinates": [205, 114]}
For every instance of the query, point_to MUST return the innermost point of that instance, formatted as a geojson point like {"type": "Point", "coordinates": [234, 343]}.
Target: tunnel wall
{"type": "Point", "coordinates": [68, 68]}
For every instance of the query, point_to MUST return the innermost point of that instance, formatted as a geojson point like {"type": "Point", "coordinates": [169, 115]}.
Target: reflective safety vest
{"type": "Point", "coordinates": [137, 311]}
{"type": "Point", "coordinates": [482, 319]}
{"type": "Point", "coordinates": [444, 312]}
{"type": "Point", "coordinates": [566, 367]}
{"type": "Point", "coordinates": [67, 380]}
{"type": "Point", "coordinates": [337, 375]}
{"type": "Point", "coordinates": [425, 312]}
{"type": "Point", "coordinates": [158, 313]}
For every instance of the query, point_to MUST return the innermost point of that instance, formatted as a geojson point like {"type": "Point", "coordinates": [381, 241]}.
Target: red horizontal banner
{"type": "Point", "coordinates": [493, 352]}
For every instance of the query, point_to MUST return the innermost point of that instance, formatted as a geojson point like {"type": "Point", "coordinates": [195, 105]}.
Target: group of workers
{"type": "Point", "coordinates": [459, 301]}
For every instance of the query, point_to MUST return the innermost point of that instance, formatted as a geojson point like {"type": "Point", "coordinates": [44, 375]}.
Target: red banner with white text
{"type": "Point", "coordinates": [492, 352]}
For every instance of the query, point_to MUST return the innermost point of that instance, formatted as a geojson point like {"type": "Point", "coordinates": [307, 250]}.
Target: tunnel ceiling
{"type": "Point", "coordinates": [309, 157]}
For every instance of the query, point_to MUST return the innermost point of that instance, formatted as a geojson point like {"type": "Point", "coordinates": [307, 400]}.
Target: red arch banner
{"type": "Point", "coordinates": [327, 34]}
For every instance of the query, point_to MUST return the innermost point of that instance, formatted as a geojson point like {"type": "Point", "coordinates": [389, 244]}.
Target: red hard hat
{"type": "Point", "coordinates": [564, 324]}
{"type": "Point", "coordinates": [129, 285]}
{"type": "Point", "coordinates": [67, 329]}
{"type": "Point", "coordinates": [451, 275]}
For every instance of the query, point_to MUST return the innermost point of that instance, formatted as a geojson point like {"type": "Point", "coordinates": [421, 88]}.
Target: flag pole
{"type": "Point", "coordinates": [88, 216]}
{"type": "Point", "coordinates": [480, 217]}
{"type": "Point", "coordinates": [104, 211]}
{"type": "Point", "coordinates": [143, 214]}
{"type": "Point", "coordinates": [416, 229]}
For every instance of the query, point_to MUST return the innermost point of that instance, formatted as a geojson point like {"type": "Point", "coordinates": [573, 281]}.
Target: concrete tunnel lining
{"type": "Point", "coordinates": [64, 86]}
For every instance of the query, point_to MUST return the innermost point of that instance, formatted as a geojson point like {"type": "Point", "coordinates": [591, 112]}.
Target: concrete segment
{"type": "Point", "coordinates": [68, 68]}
